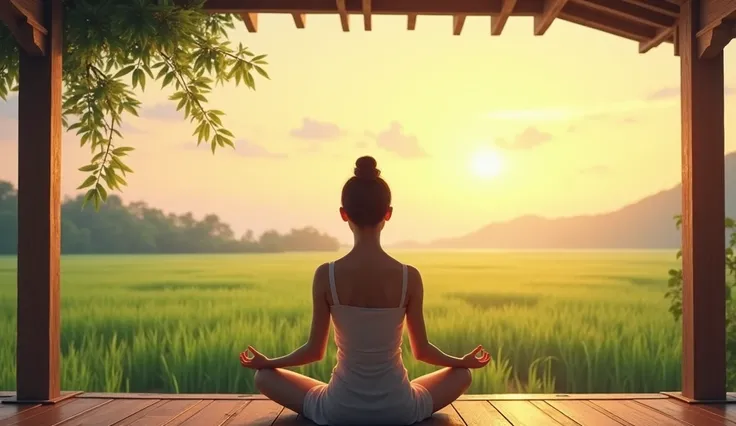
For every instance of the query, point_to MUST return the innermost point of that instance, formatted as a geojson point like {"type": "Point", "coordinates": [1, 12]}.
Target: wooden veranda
{"type": "Point", "coordinates": [698, 30]}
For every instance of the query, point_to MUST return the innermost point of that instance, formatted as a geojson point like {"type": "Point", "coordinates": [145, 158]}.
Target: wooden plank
{"type": "Point", "coordinates": [109, 414]}
{"type": "Point", "coordinates": [446, 416]}
{"type": "Point", "coordinates": [479, 413]}
{"type": "Point", "coordinates": [8, 410]}
{"type": "Point", "coordinates": [288, 417]}
{"type": "Point", "coordinates": [57, 413]}
{"type": "Point", "coordinates": [632, 12]}
{"type": "Point", "coordinates": [703, 215]}
{"type": "Point", "coordinates": [393, 7]}
{"type": "Point", "coordinates": [666, 34]}
{"type": "Point", "coordinates": [300, 20]}
{"type": "Point", "coordinates": [554, 413]}
{"type": "Point", "coordinates": [188, 414]}
{"type": "Point", "coordinates": [686, 412]}
{"type": "Point", "coordinates": [470, 397]}
{"type": "Point", "coordinates": [366, 5]}
{"type": "Point", "coordinates": [215, 414]}
{"type": "Point", "coordinates": [344, 18]}
{"type": "Point", "coordinates": [584, 414]}
{"type": "Point", "coordinates": [39, 198]}
{"type": "Point", "coordinates": [498, 22]}
{"type": "Point", "coordinates": [24, 415]}
{"type": "Point", "coordinates": [725, 411]}
{"type": "Point", "coordinates": [636, 414]}
{"type": "Point", "coordinates": [713, 13]}
{"type": "Point", "coordinates": [660, 6]}
{"type": "Point", "coordinates": [160, 413]}
{"type": "Point", "coordinates": [579, 14]}
{"type": "Point", "coordinates": [457, 24]}
{"type": "Point", "coordinates": [197, 396]}
{"type": "Point", "coordinates": [561, 396]}
{"type": "Point", "coordinates": [523, 413]}
{"type": "Point", "coordinates": [411, 21]}
{"type": "Point", "coordinates": [550, 12]}
{"type": "Point", "coordinates": [258, 413]}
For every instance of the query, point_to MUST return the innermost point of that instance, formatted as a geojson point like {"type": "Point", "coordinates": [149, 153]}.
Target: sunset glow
{"type": "Point", "coordinates": [487, 164]}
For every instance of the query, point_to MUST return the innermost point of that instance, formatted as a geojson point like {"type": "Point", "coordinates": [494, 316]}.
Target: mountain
{"type": "Point", "coordinates": [645, 224]}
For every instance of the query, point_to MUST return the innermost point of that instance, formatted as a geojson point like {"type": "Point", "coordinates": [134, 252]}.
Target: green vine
{"type": "Point", "coordinates": [112, 49]}
{"type": "Point", "coordinates": [674, 294]}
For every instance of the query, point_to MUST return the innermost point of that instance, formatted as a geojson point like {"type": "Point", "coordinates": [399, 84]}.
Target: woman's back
{"type": "Point", "coordinates": [369, 382]}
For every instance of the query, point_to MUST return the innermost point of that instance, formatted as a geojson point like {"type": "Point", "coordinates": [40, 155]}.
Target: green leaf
{"type": "Point", "coordinates": [88, 182]}
{"type": "Point", "coordinates": [88, 168]}
{"type": "Point", "coordinates": [124, 71]}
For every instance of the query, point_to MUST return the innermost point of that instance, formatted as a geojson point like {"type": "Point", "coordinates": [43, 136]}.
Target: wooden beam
{"type": "Point", "coordinates": [300, 20]}
{"type": "Point", "coordinates": [366, 6]}
{"type": "Point", "coordinates": [676, 40]}
{"type": "Point", "coordinates": [499, 21]}
{"type": "Point", "coordinates": [714, 13]}
{"type": "Point", "coordinates": [24, 20]}
{"type": "Point", "coordinates": [39, 176]}
{"type": "Point", "coordinates": [392, 7]}
{"type": "Point", "coordinates": [550, 11]}
{"type": "Point", "coordinates": [660, 6]}
{"type": "Point", "coordinates": [411, 21]}
{"type": "Point", "coordinates": [631, 11]}
{"type": "Point", "coordinates": [251, 21]}
{"type": "Point", "coordinates": [344, 18]}
{"type": "Point", "coordinates": [662, 35]}
{"type": "Point", "coordinates": [457, 24]}
{"type": "Point", "coordinates": [703, 216]}
{"type": "Point", "coordinates": [713, 40]}
{"type": "Point", "coordinates": [611, 24]}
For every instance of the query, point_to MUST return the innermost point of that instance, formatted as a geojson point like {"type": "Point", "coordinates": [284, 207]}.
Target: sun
{"type": "Point", "coordinates": [486, 164]}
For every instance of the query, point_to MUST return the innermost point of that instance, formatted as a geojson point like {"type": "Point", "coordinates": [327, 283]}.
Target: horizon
{"type": "Point", "coordinates": [467, 116]}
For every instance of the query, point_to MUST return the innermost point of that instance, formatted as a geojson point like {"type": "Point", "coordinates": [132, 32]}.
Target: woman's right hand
{"type": "Point", "coordinates": [477, 358]}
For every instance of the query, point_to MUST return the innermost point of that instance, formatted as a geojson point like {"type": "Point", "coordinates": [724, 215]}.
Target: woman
{"type": "Point", "coordinates": [368, 294]}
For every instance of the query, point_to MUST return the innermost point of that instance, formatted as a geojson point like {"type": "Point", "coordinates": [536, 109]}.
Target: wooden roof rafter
{"type": "Point", "coordinates": [648, 22]}
{"type": "Point", "coordinates": [24, 19]}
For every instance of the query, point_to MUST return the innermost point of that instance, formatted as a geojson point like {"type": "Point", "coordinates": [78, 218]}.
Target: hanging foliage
{"type": "Point", "coordinates": [116, 49]}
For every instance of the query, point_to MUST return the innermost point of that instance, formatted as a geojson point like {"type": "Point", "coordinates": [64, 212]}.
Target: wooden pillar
{"type": "Point", "coordinates": [39, 173]}
{"type": "Point", "coordinates": [703, 216]}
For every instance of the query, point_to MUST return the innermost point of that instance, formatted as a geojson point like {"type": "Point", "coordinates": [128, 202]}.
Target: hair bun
{"type": "Point", "coordinates": [365, 168]}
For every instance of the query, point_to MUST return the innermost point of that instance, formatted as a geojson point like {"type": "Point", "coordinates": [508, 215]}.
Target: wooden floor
{"type": "Point", "coordinates": [99, 409]}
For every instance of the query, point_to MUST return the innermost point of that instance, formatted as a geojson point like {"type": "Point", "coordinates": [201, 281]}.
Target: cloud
{"type": "Point", "coordinates": [530, 138]}
{"type": "Point", "coordinates": [130, 129]}
{"type": "Point", "coordinates": [243, 148]}
{"type": "Point", "coordinates": [162, 111]}
{"type": "Point", "coordinates": [316, 130]}
{"type": "Point", "coordinates": [395, 140]}
{"type": "Point", "coordinates": [595, 170]}
{"type": "Point", "coordinates": [672, 92]}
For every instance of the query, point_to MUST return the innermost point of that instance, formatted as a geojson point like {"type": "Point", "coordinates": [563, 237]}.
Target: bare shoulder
{"type": "Point", "coordinates": [322, 276]}
{"type": "Point", "coordinates": [414, 278]}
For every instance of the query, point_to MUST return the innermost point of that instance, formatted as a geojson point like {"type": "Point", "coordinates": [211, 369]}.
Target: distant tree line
{"type": "Point", "coordinates": [138, 228]}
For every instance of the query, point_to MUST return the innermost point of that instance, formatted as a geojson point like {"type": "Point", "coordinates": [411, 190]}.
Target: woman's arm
{"type": "Point", "coordinates": [422, 349]}
{"type": "Point", "coordinates": [314, 349]}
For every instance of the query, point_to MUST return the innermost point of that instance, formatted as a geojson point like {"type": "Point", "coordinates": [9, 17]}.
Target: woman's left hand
{"type": "Point", "coordinates": [256, 361]}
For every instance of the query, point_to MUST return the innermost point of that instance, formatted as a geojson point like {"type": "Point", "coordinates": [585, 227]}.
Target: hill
{"type": "Point", "coordinates": [645, 224]}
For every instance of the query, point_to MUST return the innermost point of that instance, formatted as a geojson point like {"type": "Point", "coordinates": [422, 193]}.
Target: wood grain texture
{"type": "Point", "coordinates": [703, 216]}
{"type": "Point", "coordinates": [39, 210]}
{"type": "Point", "coordinates": [480, 413]}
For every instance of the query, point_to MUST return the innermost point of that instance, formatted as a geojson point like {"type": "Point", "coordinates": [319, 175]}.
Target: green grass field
{"type": "Point", "coordinates": [563, 321]}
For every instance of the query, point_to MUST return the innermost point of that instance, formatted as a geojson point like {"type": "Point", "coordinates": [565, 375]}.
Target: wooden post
{"type": "Point", "coordinates": [703, 216]}
{"type": "Point", "coordinates": [39, 173]}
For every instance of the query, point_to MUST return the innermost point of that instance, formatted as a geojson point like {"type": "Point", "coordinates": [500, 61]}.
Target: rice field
{"type": "Point", "coordinates": [554, 321]}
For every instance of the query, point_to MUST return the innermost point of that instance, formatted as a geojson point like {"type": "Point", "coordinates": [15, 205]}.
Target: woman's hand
{"type": "Point", "coordinates": [477, 358]}
{"type": "Point", "coordinates": [256, 361]}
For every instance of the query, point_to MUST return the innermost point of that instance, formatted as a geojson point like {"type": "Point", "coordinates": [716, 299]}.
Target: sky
{"type": "Point", "coordinates": [466, 129]}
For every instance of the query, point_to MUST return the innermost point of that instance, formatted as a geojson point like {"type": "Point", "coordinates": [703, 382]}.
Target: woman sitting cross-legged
{"type": "Point", "coordinates": [368, 294]}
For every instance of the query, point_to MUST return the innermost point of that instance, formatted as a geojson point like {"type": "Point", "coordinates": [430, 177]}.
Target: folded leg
{"type": "Point", "coordinates": [285, 387]}
{"type": "Point", "coordinates": [445, 385]}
